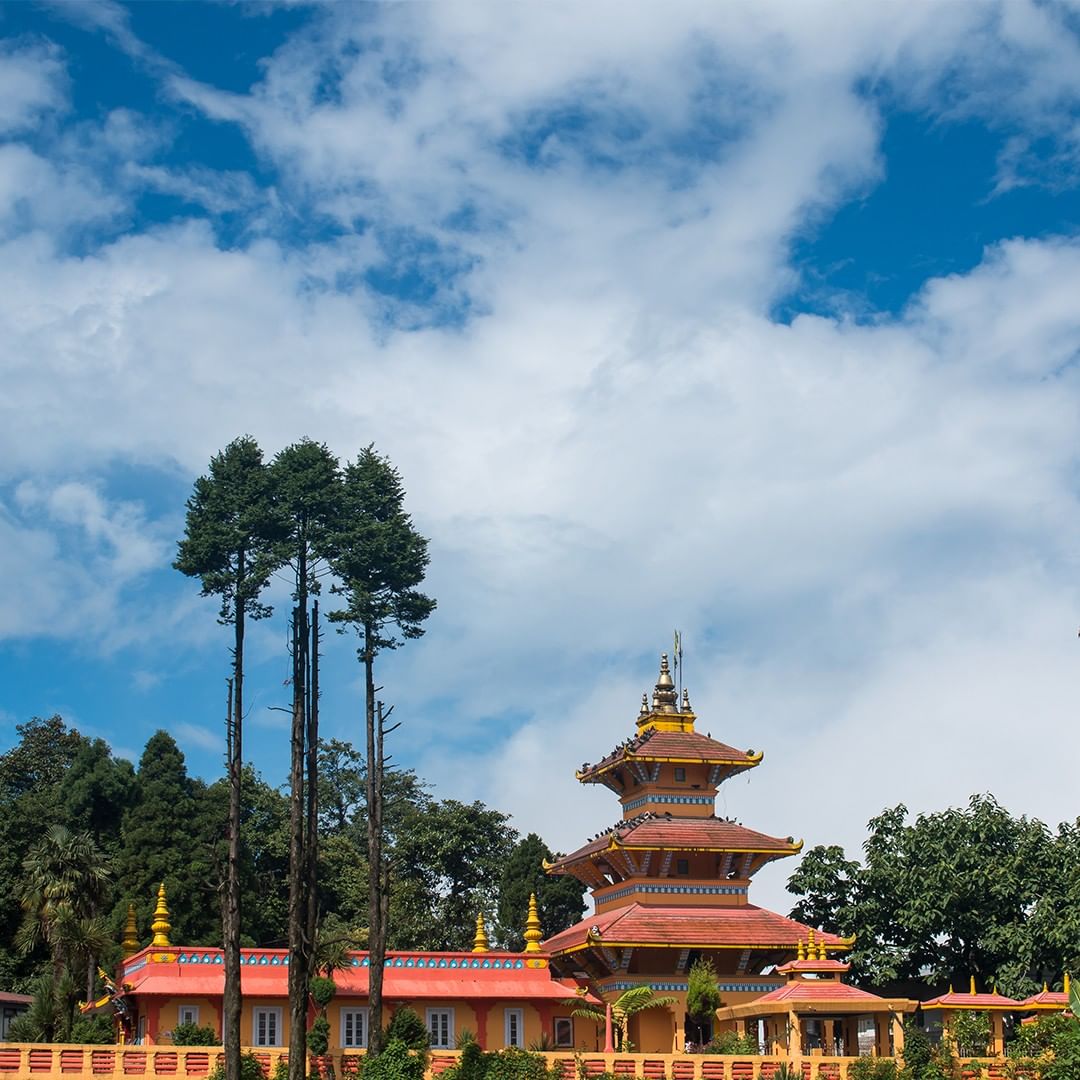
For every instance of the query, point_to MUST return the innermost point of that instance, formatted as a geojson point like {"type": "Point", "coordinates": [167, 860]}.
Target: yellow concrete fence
{"type": "Point", "coordinates": [35, 1061]}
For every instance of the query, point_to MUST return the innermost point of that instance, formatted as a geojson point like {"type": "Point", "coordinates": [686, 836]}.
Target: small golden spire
{"type": "Point", "coordinates": [1046, 989]}
{"type": "Point", "coordinates": [951, 991]}
{"type": "Point", "coordinates": [480, 942]}
{"type": "Point", "coordinates": [686, 707]}
{"type": "Point", "coordinates": [972, 989]}
{"type": "Point", "coordinates": [821, 950]}
{"type": "Point", "coordinates": [801, 954]}
{"type": "Point", "coordinates": [1066, 983]}
{"type": "Point", "coordinates": [644, 710]}
{"type": "Point", "coordinates": [129, 943]}
{"type": "Point", "coordinates": [161, 925]}
{"type": "Point", "coordinates": [665, 697]}
{"type": "Point", "coordinates": [533, 933]}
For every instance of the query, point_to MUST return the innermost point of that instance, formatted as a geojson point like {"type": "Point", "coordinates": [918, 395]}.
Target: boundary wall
{"type": "Point", "coordinates": [39, 1061]}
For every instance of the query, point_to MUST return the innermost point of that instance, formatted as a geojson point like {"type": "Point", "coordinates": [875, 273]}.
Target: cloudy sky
{"type": "Point", "coordinates": [756, 320]}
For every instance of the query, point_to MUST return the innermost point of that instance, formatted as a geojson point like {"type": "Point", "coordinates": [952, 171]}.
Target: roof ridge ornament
{"type": "Point", "coordinates": [664, 698]}
{"type": "Point", "coordinates": [480, 941]}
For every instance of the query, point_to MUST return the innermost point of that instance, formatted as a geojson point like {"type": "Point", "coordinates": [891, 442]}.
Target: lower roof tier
{"type": "Point", "coordinates": [640, 925]}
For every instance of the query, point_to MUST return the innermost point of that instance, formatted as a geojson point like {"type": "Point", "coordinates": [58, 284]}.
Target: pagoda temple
{"type": "Point", "coordinates": [670, 880]}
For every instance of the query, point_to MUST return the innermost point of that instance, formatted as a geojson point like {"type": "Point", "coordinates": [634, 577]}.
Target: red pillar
{"type": "Point", "coordinates": [609, 1044]}
{"type": "Point", "coordinates": [481, 1009]}
{"type": "Point", "coordinates": [153, 1012]}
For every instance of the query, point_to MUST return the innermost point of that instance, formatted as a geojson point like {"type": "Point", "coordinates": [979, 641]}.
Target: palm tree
{"type": "Point", "coordinates": [627, 1004]}
{"type": "Point", "coordinates": [65, 876]}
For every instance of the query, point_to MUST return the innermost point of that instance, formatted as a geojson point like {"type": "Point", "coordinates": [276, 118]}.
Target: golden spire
{"type": "Point", "coordinates": [972, 989]}
{"type": "Point", "coordinates": [480, 942]}
{"type": "Point", "coordinates": [1046, 989]}
{"type": "Point", "coordinates": [821, 955]}
{"type": "Point", "coordinates": [644, 710]}
{"type": "Point", "coordinates": [1066, 983]}
{"type": "Point", "coordinates": [664, 698]}
{"type": "Point", "coordinates": [161, 925]}
{"type": "Point", "coordinates": [533, 933]}
{"type": "Point", "coordinates": [801, 954]}
{"type": "Point", "coordinates": [129, 943]}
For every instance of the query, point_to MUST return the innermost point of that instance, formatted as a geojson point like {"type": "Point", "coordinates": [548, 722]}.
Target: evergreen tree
{"type": "Point", "coordinates": [308, 494]}
{"type": "Point", "coordinates": [229, 544]}
{"type": "Point", "coordinates": [160, 843]}
{"type": "Point", "coordinates": [96, 791]}
{"type": "Point", "coordinates": [559, 899]}
{"type": "Point", "coordinates": [379, 559]}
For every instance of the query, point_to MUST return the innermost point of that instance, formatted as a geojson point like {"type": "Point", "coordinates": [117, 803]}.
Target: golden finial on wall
{"type": "Point", "coordinates": [971, 989]}
{"type": "Point", "coordinates": [821, 954]}
{"type": "Point", "coordinates": [801, 954]}
{"type": "Point", "coordinates": [161, 925]}
{"type": "Point", "coordinates": [533, 933]}
{"type": "Point", "coordinates": [480, 941]}
{"type": "Point", "coordinates": [1066, 983]}
{"type": "Point", "coordinates": [129, 943]}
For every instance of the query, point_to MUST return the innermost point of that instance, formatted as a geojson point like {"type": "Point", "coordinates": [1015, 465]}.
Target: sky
{"type": "Point", "coordinates": [755, 320]}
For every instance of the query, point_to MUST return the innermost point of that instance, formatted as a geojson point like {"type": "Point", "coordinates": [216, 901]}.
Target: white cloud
{"type": "Point", "coordinates": [32, 82]}
{"type": "Point", "coordinates": [865, 530]}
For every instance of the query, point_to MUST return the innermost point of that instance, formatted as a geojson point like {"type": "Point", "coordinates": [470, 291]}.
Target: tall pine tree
{"type": "Point", "coordinates": [229, 544]}
{"type": "Point", "coordinates": [379, 559]}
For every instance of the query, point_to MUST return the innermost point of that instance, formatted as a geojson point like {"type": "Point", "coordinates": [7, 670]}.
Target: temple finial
{"type": "Point", "coordinates": [129, 943]}
{"type": "Point", "coordinates": [1066, 984]}
{"type": "Point", "coordinates": [972, 989]}
{"type": "Point", "coordinates": [644, 710]}
{"type": "Point", "coordinates": [480, 941]}
{"type": "Point", "coordinates": [686, 707]}
{"type": "Point", "coordinates": [161, 925]}
{"type": "Point", "coordinates": [533, 933]}
{"type": "Point", "coordinates": [821, 954]}
{"type": "Point", "coordinates": [664, 697]}
{"type": "Point", "coordinates": [801, 954]}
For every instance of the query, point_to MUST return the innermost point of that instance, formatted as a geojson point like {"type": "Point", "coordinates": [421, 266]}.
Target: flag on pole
{"type": "Point", "coordinates": [678, 648]}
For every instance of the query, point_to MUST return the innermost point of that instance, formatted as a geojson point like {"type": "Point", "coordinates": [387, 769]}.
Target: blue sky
{"type": "Point", "coordinates": [756, 320]}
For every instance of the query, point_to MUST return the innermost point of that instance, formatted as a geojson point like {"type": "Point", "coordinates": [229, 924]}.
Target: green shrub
{"type": "Point", "coordinates": [515, 1064]}
{"type": "Point", "coordinates": [281, 1069]}
{"type": "Point", "coordinates": [322, 990]}
{"type": "Point", "coordinates": [318, 1038]}
{"type": "Point", "coordinates": [194, 1035]}
{"type": "Point", "coordinates": [872, 1068]}
{"type": "Point", "coordinates": [396, 1062]}
{"type": "Point", "coordinates": [98, 1030]}
{"type": "Point", "coordinates": [250, 1069]}
{"type": "Point", "coordinates": [731, 1042]}
{"type": "Point", "coordinates": [406, 1027]}
{"type": "Point", "coordinates": [785, 1071]}
{"type": "Point", "coordinates": [971, 1030]}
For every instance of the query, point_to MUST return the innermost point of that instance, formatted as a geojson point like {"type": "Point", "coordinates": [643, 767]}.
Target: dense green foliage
{"type": "Point", "coordinates": [407, 1028]}
{"type": "Point", "coordinates": [559, 899]}
{"type": "Point", "coordinates": [731, 1042]}
{"type": "Point", "coordinates": [193, 1035]}
{"type": "Point", "coordinates": [250, 1069]}
{"type": "Point", "coordinates": [156, 823]}
{"type": "Point", "coordinates": [702, 994]}
{"type": "Point", "coordinates": [396, 1062]}
{"type": "Point", "coordinates": [956, 893]}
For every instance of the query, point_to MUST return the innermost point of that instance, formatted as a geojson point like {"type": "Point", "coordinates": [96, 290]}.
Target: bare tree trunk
{"type": "Point", "coordinates": [377, 907]}
{"type": "Point", "coordinates": [232, 1002]}
{"type": "Point", "coordinates": [311, 840]}
{"type": "Point", "coordinates": [299, 975]}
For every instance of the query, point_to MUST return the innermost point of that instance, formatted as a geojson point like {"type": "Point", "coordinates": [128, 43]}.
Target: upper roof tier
{"type": "Point", "coordinates": [666, 734]}
{"type": "Point", "coordinates": [651, 832]}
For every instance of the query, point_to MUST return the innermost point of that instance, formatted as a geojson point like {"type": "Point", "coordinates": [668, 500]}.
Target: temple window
{"type": "Point", "coordinates": [514, 1027]}
{"type": "Point", "coordinates": [354, 1025]}
{"type": "Point", "coordinates": [266, 1026]}
{"type": "Point", "coordinates": [682, 866]}
{"type": "Point", "coordinates": [440, 1025]}
{"type": "Point", "coordinates": [187, 1014]}
{"type": "Point", "coordinates": [564, 1032]}
{"type": "Point", "coordinates": [680, 774]}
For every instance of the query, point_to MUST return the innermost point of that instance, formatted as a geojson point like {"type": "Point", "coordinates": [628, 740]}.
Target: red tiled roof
{"type": "Point", "coordinates": [817, 990]}
{"type": "Point", "coordinates": [433, 980]}
{"type": "Point", "coordinates": [15, 999]}
{"type": "Point", "coordinates": [952, 1000]}
{"type": "Point", "coordinates": [673, 745]}
{"type": "Point", "coordinates": [684, 833]}
{"type": "Point", "coordinates": [640, 924]}
{"type": "Point", "coordinates": [1046, 999]}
